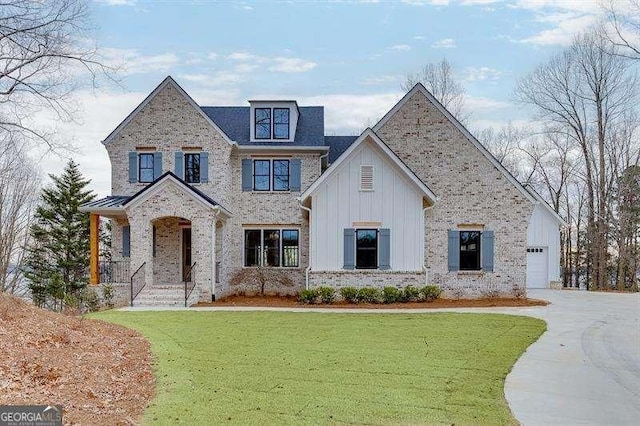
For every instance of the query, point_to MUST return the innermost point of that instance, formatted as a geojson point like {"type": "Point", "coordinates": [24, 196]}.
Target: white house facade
{"type": "Point", "coordinates": [200, 195]}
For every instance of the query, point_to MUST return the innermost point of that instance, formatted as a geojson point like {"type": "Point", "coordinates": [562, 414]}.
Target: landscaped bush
{"type": "Point", "coordinates": [430, 293]}
{"type": "Point", "coordinates": [411, 294]}
{"type": "Point", "coordinates": [390, 295]}
{"type": "Point", "coordinates": [327, 294]}
{"type": "Point", "coordinates": [349, 294]}
{"type": "Point", "coordinates": [369, 295]}
{"type": "Point", "coordinates": [309, 297]}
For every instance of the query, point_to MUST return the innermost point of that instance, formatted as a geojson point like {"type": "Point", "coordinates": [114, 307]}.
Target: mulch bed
{"type": "Point", "coordinates": [99, 372]}
{"type": "Point", "coordinates": [292, 302]}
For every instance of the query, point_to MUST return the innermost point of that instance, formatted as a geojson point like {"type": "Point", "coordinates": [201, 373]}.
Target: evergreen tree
{"type": "Point", "coordinates": [58, 257]}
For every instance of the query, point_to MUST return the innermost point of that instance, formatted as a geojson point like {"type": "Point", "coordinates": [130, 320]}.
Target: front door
{"type": "Point", "coordinates": [186, 254]}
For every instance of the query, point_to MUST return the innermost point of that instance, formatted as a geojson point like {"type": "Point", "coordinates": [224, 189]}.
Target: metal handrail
{"type": "Point", "coordinates": [137, 290]}
{"type": "Point", "coordinates": [189, 284]}
{"type": "Point", "coordinates": [114, 271]}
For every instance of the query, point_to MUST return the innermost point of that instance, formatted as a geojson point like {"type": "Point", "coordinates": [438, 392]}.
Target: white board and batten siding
{"type": "Point", "coordinates": [394, 202]}
{"type": "Point", "coordinates": [543, 253]}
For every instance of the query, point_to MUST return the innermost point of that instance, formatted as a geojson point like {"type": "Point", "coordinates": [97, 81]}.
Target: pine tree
{"type": "Point", "coordinates": [58, 257]}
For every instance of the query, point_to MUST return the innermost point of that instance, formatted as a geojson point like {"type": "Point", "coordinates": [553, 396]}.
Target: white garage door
{"type": "Point", "coordinates": [537, 264]}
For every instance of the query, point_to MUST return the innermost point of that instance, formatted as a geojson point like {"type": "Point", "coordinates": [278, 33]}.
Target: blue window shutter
{"type": "Point", "coordinates": [454, 250]}
{"type": "Point", "coordinates": [486, 245]}
{"type": "Point", "coordinates": [294, 174]}
{"type": "Point", "coordinates": [349, 248]}
{"type": "Point", "coordinates": [247, 174]}
{"type": "Point", "coordinates": [157, 164]}
{"type": "Point", "coordinates": [384, 248]}
{"type": "Point", "coordinates": [179, 166]}
{"type": "Point", "coordinates": [126, 241]}
{"type": "Point", "coordinates": [204, 167]}
{"type": "Point", "coordinates": [133, 167]}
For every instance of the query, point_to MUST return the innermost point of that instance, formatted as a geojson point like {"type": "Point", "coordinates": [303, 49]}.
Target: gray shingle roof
{"type": "Point", "coordinates": [110, 202]}
{"type": "Point", "coordinates": [235, 122]}
{"type": "Point", "coordinates": [337, 145]}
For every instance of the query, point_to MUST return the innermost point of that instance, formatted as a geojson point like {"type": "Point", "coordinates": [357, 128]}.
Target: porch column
{"type": "Point", "coordinates": [141, 245]}
{"type": "Point", "coordinates": [94, 248]}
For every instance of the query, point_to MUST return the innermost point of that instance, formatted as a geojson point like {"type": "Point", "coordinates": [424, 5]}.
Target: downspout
{"type": "Point", "coordinates": [306, 271]}
{"type": "Point", "coordinates": [424, 261]}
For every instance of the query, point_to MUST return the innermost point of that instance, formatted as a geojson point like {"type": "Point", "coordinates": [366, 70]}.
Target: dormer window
{"type": "Point", "coordinates": [271, 123]}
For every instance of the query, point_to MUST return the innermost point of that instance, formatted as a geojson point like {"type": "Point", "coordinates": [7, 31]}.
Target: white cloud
{"type": "Point", "coordinates": [479, 103]}
{"type": "Point", "coordinates": [445, 43]}
{"type": "Point", "coordinates": [212, 56]}
{"type": "Point", "coordinates": [424, 2]}
{"type": "Point", "coordinates": [216, 79]}
{"type": "Point", "coordinates": [566, 26]}
{"type": "Point", "coordinates": [401, 47]}
{"type": "Point", "coordinates": [350, 114]}
{"type": "Point", "coordinates": [382, 79]}
{"type": "Point", "coordinates": [292, 65]}
{"type": "Point", "coordinates": [242, 56]}
{"type": "Point", "coordinates": [130, 61]}
{"type": "Point", "coordinates": [478, 2]}
{"type": "Point", "coordinates": [245, 68]}
{"type": "Point", "coordinates": [481, 73]}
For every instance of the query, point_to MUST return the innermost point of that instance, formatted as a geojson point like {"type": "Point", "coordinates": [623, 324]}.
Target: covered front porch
{"type": "Point", "coordinates": [166, 244]}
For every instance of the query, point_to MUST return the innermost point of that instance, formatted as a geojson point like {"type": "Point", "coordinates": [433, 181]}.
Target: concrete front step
{"type": "Point", "coordinates": [162, 295]}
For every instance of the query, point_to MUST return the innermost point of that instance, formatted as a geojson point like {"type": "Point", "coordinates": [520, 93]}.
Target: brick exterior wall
{"type": "Point", "coordinates": [358, 279]}
{"type": "Point", "coordinates": [471, 190]}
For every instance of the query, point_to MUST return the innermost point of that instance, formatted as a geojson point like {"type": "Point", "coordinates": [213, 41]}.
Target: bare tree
{"type": "Point", "coordinates": [505, 144]}
{"type": "Point", "coordinates": [439, 79]}
{"type": "Point", "coordinates": [44, 57]}
{"type": "Point", "coordinates": [582, 93]}
{"type": "Point", "coordinates": [19, 183]}
{"type": "Point", "coordinates": [623, 27]}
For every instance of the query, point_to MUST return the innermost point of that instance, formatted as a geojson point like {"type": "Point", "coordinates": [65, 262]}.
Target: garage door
{"type": "Point", "coordinates": [537, 264]}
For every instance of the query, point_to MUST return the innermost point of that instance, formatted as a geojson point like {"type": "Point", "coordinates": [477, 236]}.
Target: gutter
{"type": "Point", "coordinates": [308, 269]}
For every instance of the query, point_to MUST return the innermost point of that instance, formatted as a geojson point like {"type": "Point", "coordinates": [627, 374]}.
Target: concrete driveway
{"type": "Point", "coordinates": [586, 368]}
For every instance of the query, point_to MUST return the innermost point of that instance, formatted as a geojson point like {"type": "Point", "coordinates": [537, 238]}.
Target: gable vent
{"type": "Point", "coordinates": [366, 178]}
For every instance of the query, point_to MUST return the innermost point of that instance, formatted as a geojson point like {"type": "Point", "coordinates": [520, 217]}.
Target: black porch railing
{"type": "Point", "coordinates": [189, 283]}
{"type": "Point", "coordinates": [137, 282]}
{"type": "Point", "coordinates": [114, 271]}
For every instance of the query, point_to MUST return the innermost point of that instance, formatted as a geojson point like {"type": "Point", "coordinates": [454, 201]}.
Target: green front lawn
{"type": "Point", "coordinates": [276, 367]}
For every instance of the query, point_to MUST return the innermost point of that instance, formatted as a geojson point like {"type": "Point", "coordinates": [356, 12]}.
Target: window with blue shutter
{"type": "Point", "coordinates": [133, 167]}
{"type": "Point", "coordinates": [295, 178]}
{"type": "Point", "coordinates": [384, 245]}
{"type": "Point", "coordinates": [126, 241]}
{"type": "Point", "coordinates": [204, 167]}
{"type": "Point", "coordinates": [247, 174]}
{"type": "Point", "coordinates": [454, 250]}
{"type": "Point", "coordinates": [157, 164]}
{"type": "Point", "coordinates": [349, 248]}
{"type": "Point", "coordinates": [179, 164]}
{"type": "Point", "coordinates": [487, 251]}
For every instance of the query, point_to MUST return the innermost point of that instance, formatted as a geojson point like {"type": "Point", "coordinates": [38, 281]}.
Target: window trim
{"type": "Point", "coordinates": [262, 245]}
{"type": "Point", "coordinates": [255, 123]}
{"type": "Point", "coordinates": [479, 250]}
{"type": "Point", "coordinates": [377, 249]}
{"type": "Point", "coordinates": [152, 155]}
{"type": "Point", "coordinates": [272, 175]}
{"type": "Point", "coordinates": [184, 166]}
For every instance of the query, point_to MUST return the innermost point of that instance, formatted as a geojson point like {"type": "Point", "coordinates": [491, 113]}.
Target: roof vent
{"type": "Point", "coordinates": [366, 178]}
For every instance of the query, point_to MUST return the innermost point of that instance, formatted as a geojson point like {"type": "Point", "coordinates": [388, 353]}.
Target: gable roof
{"type": "Point", "coordinates": [235, 122]}
{"type": "Point", "coordinates": [368, 133]}
{"type": "Point", "coordinates": [338, 145]}
{"type": "Point", "coordinates": [167, 81]}
{"type": "Point", "coordinates": [419, 88]}
{"type": "Point", "coordinates": [170, 176]}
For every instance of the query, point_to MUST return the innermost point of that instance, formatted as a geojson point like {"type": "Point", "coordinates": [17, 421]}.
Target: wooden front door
{"type": "Point", "coordinates": [186, 253]}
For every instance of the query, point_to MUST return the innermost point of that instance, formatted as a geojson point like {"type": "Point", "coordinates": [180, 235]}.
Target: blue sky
{"type": "Point", "coordinates": [350, 56]}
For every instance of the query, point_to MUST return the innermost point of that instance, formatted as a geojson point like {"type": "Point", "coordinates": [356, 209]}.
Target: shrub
{"type": "Point", "coordinates": [349, 294]}
{"type": "Point", "coordinates": [390, 295]}
{"type": "Point", "coordinates": [411, 294]}
{"type": "Point", "coordinates": [369, 295]}
{"type": "Point", "coordinates": [327, 294]}
{"type": "Point", "coordinates": [89, 299]}
{"type": "Point", "coordinates": [107, 295]}
{"type": "Point", "coordinates": [308, 297]}
{"type": "Point", "coordinates": [430, 293]}
{"type": "Point", "coordinates": [519, 292]}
